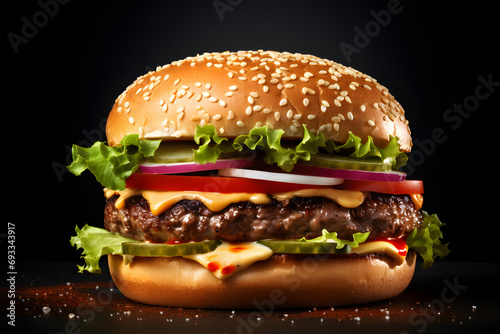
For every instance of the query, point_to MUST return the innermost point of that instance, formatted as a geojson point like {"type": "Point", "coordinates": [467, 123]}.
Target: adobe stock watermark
{"type": "Point", "coordinates": [31, 25]}
{"type": "Point", "coordinates": [371, 29]}
{"type": "Point", "coordinates": [278, 296]}
{"type": "Point", "coordinates": [223, 6]}
{"type": "Point", "coordinates": [453, 119]}
{"type": "Point", "coordinates": [429, 314]}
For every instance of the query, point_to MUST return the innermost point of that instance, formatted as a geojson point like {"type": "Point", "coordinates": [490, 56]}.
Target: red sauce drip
{"type": "Point", "coordinates": [237, 249]}
{"type": "Point", "coordinates": [229, 269]}
{"type": "Point", "coordinates": [213, 266]}
{"type": "Point", "coordinates": [399, 243]}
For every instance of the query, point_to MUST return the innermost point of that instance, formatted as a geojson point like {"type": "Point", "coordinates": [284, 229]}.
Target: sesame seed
{"type": "Point", "coordinates": [294, 128]}
{"type": "Point", "coordinates": [367, 87]}
{"type": "Point", "coordinates": [336, 119]}
{"type": "Point", "coordinates": [308, 75]}
{"type": "Point", "coordinates": [166, 77]}
{"type": "Point", "coordinates": [213, 99]}
{"type": "Point", "coordinates": [277, 116]}
{"type": "Point", "coordinates": [304, 90]}
{"type": "Point", "coordinates": [266, 110]}
{"type": "Point", "coordinates": [265, 89]}
{"type": "Point", "coordinates": [311, 117]}
{"type": "Point", "coordinates": [181, 109]}
{"type": "Point", "coordinates": [217, 117]}
{"type": "Point", "coordinates": [289, 114]}
{"type": "Point", "coordinates": [242, 78]}
{"type": "Point", "coordinates": [229, 94]}
{"type": "Point", "coordinates": [311, 91]}
{"type": "Point", "coordinates": [254, 94]}
{"type": "Point", "coordinates": [240, 124]}
{"type": "Point", "coordinates": [131, 120]}
{"type": "Point", "coordinates": [208, 86]}
{"type": "Point", "coordinates": [172, 98]}
{"type": "Point", "coordinates": [305, 101]}
{"type": "Point", "coordinates": [351, 86]}
{"type": "Point", "coordinates": [289, 85]}
{"type": "Point", "coordinates": [325, 103]}
{"type": "Point", "coordinates": [323, 108]}
{"type": "Point", "coordinates": [230, 74]}
{"type": "Point", "coordinates": [248, 110]}
{"type": "Point", "coordinates": [234, 87]}
{"type": "Point", "coordinates": [250, 100]}
{"type": "Point", "coordinates": [257, 108]}
{"type": "Point", "coordinates": [206, 94]}
{"type": "Point", "coordinates": [336, 126]}
{"type": "Point", "coordinates": [350, 115]}
{"type": "Point", "coordinates": [363, 108]}
{"type": "Point", "coordinates": [165, 107]}
{"type": "Point", "coordinates": [337, 103]}
{"type": "Point", "coordinates": [222, 103]}
{"type": "Point", "coordinates": [371, 123]}
{"type": "Point", "coordinates": [283, 102]}
{"type": "Point", "coordinates": [344, 93]}
{"type": "Point", "coordinates": [177, 81]}
{"type": "Point", "coordinates": [230, 114]}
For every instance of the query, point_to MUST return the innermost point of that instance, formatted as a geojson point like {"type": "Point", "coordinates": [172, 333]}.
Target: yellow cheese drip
{"type": "Point", "coordinates": [160, 201]}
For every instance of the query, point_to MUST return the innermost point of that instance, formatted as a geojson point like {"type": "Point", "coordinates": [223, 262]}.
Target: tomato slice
{"type": "Point", "coordinates": [397, 188]}
{"type": "Point", "coordinates": [216, 184]}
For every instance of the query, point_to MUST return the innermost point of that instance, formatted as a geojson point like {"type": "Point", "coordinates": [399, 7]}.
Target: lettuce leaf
{"type": "Point", "coordinates": [96, 242]}
{"type": "Point", "coordinates": [206, 152]}
{"type": "Point", "coordinates": [357, 238]}
{"type": "Point", "coordinates": [111, 166]}
{"type": "Point", "coordinates": [268, 141]}
{"type": "Point", "coordinates": [427, 240]}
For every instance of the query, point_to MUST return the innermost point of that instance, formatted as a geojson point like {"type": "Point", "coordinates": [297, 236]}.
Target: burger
{"type": "Point", "coordinates": [237, 178]}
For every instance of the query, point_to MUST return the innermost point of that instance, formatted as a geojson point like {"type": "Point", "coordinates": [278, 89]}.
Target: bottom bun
{"type": "Point", "coordinates": [282, 281]}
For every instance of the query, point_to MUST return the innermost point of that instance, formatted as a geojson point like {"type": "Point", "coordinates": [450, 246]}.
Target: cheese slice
{"type": "Point", "coordinates": [382, 247]}
{"type": "Point", "coordinates": [160, 201]}
{"type": "Point", "coordinates": [227, 259]}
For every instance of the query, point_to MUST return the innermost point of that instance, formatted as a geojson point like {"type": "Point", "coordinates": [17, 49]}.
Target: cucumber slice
{"type": "Point", "coordinates": [301, 247]}
{"type": "Point", "coordinates": [173, 152]}
{"type": "Point", "coordinates": [342, 162]}
{"type": "Point", "coordinates": [151, 249]}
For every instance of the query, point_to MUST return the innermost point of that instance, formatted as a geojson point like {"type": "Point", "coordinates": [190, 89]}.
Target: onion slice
{"type": "Point", "coordinates": [350, 174]}
{"type": "Point", "coordinates": [280, 177]}
{"type": "Point", "coordinates": [188, 167]}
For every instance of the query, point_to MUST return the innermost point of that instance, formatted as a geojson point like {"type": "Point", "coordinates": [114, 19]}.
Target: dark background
{"type": "Point", "coordinates": [63, 80]}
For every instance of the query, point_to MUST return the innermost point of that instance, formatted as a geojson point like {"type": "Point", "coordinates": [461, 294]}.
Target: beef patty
{"type": "Point", "coordinates": [190, 220]}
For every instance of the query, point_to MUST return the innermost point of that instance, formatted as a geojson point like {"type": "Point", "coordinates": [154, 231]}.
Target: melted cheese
{"type": "Point", "coordinates": [347, 198]}
{"type": "Point", "coordinates": [382, 247]}
{"type": "Point", "coordinates": [227, 259]}
{"type": "Point", "coordinates": [160, 201]}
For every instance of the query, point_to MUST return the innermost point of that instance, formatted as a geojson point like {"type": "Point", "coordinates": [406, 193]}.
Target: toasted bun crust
{"type": "Point", "coordinates": [281, 281]}
{"type": "Point", "coordinates": [236, 91]}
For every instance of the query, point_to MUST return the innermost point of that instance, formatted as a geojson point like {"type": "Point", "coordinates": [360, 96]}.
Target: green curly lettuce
{"type": "Point", "coordinates": [112, 165]}
{"type": "Point", "coordinates": [96, 242]}
{"type": "Point", "coordinates": [357, 238]}
{"type": "Point", "coordinates": [427, 240]}
{"type": "Point", "coordinates": [269, 142]}
{"type": "Point", "coordinates": [205, 135]}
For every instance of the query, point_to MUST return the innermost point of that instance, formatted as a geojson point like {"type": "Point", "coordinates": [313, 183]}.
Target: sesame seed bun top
{"type": "Point", "coordinates": [236, 91]}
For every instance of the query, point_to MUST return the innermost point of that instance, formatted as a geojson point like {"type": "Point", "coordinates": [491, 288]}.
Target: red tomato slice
{"type": "Point", "coordinates": [397, 188]}
{"type": "Point", "coordinates": [210, 184]}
